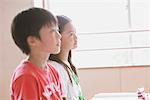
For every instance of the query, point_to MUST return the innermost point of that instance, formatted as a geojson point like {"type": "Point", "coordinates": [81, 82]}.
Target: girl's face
{"type": "Point", "coordinates": [69, 38]}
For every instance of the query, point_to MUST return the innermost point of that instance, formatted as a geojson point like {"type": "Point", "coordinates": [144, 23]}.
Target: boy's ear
{"type": "Point", "coordinates": [31, 40]}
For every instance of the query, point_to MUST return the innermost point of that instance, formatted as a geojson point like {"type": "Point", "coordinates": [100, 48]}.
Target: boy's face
{"type": "Point", "coordinates": [49, 41]}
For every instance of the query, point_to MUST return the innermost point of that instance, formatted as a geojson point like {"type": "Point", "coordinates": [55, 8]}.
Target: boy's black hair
{"type": "Point", "coordinates": [28, 23]}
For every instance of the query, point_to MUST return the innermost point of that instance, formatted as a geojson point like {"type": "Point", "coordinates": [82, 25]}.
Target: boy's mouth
{"type": "Point", "coordinates": [59, 43]}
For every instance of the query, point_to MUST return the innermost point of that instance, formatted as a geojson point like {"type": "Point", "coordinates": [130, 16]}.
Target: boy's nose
{"type": "Point", "coordinates": [58, 35]}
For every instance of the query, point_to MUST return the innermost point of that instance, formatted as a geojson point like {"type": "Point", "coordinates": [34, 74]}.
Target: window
{"type": "Point", "coordinates": [38, 3]}
{"type": "Point", "coordinates": [110, 32]}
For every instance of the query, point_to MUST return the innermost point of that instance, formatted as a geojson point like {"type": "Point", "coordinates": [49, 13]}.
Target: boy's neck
{"type": "Point", "coordinates": [38, 60]}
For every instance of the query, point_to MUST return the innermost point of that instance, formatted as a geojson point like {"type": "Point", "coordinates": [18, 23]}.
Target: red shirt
{"type": "Point", "coordinates": [32, 83]}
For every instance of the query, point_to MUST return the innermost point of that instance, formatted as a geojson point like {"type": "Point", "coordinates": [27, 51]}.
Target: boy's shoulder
{"type": "Point", "coordinates": [55, 64]}
{"type": "Point", "coordinates": [52, 70]}
{"type": "Point", "coordinates": [24, 68]}
{"type": "Point", "coordinates": [51, 67]}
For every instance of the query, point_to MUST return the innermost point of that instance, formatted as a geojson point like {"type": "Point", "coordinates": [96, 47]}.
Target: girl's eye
{"type": "Point", "coordinates": [71, 33]}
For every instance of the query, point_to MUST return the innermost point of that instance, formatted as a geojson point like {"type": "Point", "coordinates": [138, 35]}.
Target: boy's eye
{"type": "Point", "coordinates": [54, 30]}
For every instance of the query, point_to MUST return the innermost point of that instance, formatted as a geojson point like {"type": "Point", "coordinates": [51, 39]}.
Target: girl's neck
{"type": "Point", "coordinates": [38, 60]}
{"type": "Point", "coordinates": [63, 55]}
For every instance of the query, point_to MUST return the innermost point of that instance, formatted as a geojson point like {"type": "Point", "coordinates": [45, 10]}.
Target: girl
{"type": "Point", "coordinates": [62, 61]}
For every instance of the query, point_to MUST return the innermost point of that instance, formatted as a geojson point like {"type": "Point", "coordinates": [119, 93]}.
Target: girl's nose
{"type": "Point", "coordinates": [75, 36]}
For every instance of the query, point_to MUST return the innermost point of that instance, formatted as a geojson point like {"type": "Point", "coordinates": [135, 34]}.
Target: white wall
{"type": "Point", "coordinates": [114, 79]}
{"type": "Point", "coordinates": [10, 55]}
{"type": "Point", "coordinates": [0, 49]}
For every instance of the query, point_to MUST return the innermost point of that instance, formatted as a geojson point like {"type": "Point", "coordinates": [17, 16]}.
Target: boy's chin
{"type": "Point", "coordinates": [56, 52]}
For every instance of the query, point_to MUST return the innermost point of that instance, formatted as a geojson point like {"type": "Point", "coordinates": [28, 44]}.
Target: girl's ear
{"type": "Point", "coordinates": [31, 40]}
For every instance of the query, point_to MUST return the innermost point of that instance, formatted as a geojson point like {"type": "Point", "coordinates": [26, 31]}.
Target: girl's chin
{"type": "Point", "coordinates": [74, 47]}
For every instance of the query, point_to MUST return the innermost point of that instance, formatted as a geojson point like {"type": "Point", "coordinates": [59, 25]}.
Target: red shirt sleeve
{"type": "Point", "coordinates": [25, 88]}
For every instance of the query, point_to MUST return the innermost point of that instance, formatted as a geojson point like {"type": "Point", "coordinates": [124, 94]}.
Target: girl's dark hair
{"type": "Point", "coordinates": [28, 23]}
{"type": "Point", "coordinates": [62, 21]}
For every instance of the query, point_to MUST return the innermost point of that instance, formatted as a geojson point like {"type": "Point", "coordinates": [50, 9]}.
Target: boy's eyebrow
{"type": "Point", "coordinates": [55, 28]}
{"type": "Point", "coordinates": [52, 25]}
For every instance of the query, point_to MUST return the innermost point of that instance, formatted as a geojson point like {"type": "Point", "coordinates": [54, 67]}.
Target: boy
{"type": "Point", "coordinates": [34, 31]}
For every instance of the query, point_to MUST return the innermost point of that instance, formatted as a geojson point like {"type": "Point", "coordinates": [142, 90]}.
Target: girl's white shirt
{"type": "Point", "coordinates": [69, 91]}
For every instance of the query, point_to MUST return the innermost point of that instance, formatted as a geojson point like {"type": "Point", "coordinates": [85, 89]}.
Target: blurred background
{"type": "Point", "coordinates": [113, 53]}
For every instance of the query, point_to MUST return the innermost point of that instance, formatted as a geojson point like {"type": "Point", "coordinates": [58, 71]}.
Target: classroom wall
{"type": "Point", "coordinates": [10, 55]}
{"type": "Point", "coordinates": [92, 80]}
{"type": "Point", "coordinates": [0, 52]}
{"type": "Point", "coordinates": [119, 79]}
